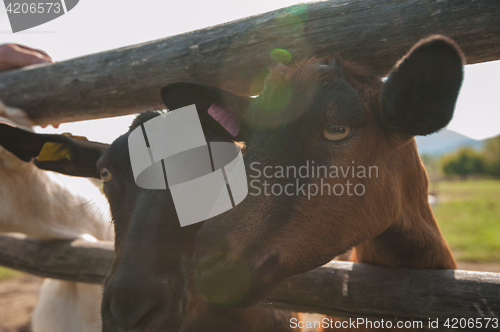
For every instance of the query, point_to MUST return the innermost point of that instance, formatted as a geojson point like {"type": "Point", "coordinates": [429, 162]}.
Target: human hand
{"type": "Point", "coordinates": [16, 56]}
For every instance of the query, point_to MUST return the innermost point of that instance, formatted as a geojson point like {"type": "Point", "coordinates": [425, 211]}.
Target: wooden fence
{"type": "Point", "coordinates": [235, 56]}
{"type": "Point", "coordinates": [341, 289]}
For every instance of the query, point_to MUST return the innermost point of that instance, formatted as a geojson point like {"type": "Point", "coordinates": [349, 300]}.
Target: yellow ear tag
{"type": "Point", "coordinates": [57, 151]}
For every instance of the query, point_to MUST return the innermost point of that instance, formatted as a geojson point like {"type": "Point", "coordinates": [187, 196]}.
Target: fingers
{"type": "Point", "coordinates": [55, 125]}
{"type": "Point", "coordinates": [17, 56]}
{"type": "Point", "coordinates": [34, 50]}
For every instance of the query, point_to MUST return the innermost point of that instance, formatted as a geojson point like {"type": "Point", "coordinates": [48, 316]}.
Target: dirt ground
{"type": "Point", "coordinates": [17, 300]}
{"type": "Point", "coordinates": [18, 297]}
{"type": "Point", "coordinates": [474, 266]}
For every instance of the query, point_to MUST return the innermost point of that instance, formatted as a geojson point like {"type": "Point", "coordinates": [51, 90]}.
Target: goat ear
{"type": "Point", "coordinates": [58, 153]}
{"type": "Point", "coordinates": [420, 93]}
{"type": "Point", "coordinates": [220, 111]}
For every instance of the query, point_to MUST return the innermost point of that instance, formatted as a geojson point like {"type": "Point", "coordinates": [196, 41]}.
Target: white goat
{"type": "Point", "coordinates": [42, 205]}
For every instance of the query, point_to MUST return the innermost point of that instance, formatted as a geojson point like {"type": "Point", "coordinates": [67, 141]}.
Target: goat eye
{"type": "Point", "coordinates": [336, 132]}
{"type": "Point", "coordinates": [105, 175]}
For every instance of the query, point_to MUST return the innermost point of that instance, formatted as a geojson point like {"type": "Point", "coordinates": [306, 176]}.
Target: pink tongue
{"type": "Point", "coordinates": [226, 118]}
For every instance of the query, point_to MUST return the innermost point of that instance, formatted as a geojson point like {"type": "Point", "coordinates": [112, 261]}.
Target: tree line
{"type": "Point", "coordinates": [467, 161]}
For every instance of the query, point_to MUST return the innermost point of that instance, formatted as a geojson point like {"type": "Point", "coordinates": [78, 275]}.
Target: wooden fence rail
{"type": "Point", "coordinates": [235, 55]}
{"type": "Point", "coordinates": [340, 288]}
{"type": "Point", "coordinates": [76, 260]}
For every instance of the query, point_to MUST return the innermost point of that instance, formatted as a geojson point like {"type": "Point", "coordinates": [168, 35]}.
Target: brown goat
{"type": "Point", "coordinates": [323, 112]}
{"type": "Point", "coordinates": [329, 112]}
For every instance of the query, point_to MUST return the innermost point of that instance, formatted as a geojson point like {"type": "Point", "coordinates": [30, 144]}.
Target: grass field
{"type": "Point", "coordinates": [6, 273]}
{"type": "Point", "coordinates": [469, 217]}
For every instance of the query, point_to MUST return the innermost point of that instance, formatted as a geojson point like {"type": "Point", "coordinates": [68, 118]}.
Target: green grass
{"type": "Point", "coordinates": [469, 217]}
{"type": "Point", "coordinates": [6, 273]}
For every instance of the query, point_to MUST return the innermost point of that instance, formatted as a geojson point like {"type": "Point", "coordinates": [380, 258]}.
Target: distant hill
{"type": "Point", "coordinates": [444, 142]}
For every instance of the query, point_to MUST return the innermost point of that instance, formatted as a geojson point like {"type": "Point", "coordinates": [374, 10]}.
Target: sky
{"type": "Point", "coordinates": [96, 25]}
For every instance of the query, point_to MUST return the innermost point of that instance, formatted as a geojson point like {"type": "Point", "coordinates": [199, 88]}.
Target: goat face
{"type": "Point", "coordinates": [150, 281]}
{"type": "Point", "coordinates": [145, 286]}
{"type": "Point", "coordinates": [323, 112]}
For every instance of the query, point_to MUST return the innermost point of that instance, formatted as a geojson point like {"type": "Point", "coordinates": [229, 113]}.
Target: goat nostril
{"type": "Point", "coordinates": [222, 280]}
{"type": "Point", "coordinates": [129, 311]}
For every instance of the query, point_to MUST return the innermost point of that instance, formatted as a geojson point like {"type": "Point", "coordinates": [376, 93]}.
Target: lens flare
{"type": "Point", "coordinates": [228, 285]}
{"type": "Point", "coordinates": [280, 55]}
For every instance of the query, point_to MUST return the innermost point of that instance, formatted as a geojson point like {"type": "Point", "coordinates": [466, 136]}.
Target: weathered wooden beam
{"type": "Point", "coordinates": [345, 289]}
{"type": "Point", "coordinates": [76, 260]}
{"type": "Point", "coordinates": [235, 55]}
{"type": "Point", "coordinates": [339, 289]}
